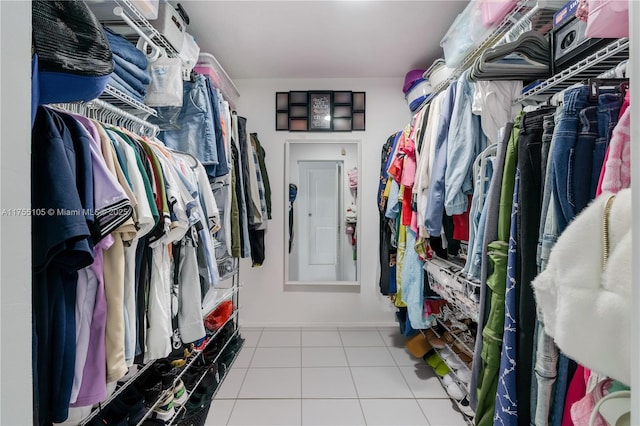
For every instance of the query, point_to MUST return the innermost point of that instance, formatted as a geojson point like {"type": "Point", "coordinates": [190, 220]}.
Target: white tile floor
{"type": "Point", "coordinates": [330, 377]}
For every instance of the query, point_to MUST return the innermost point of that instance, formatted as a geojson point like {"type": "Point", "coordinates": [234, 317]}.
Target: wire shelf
{"type": "Point", "coordinates": [446, 279]}
{"type": "Point", "coordinates": [119, 390]}
{"type": "Point", "coordinates": [179, 412]}
{"type": "Point", "coordinates": [134, 14]}
{"type": "Point", "coordinates": [195, 356]}
{"type": "Point", "coordinates": [592, 66]}
{"type": "Point", "coordinates": [525, 16]}
{"type": "Point", "coordinates": [121, 100]}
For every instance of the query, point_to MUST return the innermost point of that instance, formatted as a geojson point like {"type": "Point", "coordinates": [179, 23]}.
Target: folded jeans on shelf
{"type": "Point", "coordinates": [130, 89]}
{"type": "Point", "coordinates": [123, 48]}
{"type": "Point", "coordinates": [130, 79]}
{"type": "Point", "coordinates": [114, 83]}
{"type": "Point", "coordinates": [139, 73]}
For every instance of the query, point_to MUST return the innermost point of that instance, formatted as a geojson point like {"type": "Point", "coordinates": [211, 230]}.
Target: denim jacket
{"type": "Point", "coordinates": [465, 141]}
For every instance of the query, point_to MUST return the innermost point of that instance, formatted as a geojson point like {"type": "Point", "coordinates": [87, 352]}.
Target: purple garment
{"type": "Point", "coordinates": [109, 196]}
{"type": "Point", "coordinates": [94, 376]}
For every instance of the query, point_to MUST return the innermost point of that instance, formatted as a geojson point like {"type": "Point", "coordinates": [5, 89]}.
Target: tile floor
{"type": "Point", "coordinates": [330, 377]}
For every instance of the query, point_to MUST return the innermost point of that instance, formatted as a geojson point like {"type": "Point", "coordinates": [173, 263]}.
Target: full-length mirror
{"type": "Point", "coordinates": [321, 230]}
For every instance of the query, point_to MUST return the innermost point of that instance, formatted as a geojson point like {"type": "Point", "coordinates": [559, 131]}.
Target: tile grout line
{"type": "Point", "coordinates": [235, 401]}
{"type": "Point", "coordinates": [405, 380]}
{"type": "Point", "coordinates": [353, 380]}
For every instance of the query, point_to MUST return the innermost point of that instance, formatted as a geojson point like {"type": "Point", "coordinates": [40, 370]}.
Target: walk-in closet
{"type": "Point", "coordinates": [333, 212]}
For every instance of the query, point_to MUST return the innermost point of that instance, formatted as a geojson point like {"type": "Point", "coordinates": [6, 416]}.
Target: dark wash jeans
{"type": "Point", "coordinates": [563, 155]}
{"type": "Point", "coordinates": [530, 198]}
{"type": "Point", "coordinates": [609, 105]}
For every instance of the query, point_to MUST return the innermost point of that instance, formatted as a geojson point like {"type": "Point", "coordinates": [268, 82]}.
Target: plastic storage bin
{"type": "Point", "coordinates": [438, 73]}
{"type": "Point", "coordinates": [171, 25]}
{"type": "Point", "coordinates": [464, 35]}
{"type": "Point", "coordinates": [494, 11]}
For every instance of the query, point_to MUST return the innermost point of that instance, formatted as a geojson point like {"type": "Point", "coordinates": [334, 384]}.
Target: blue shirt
{"type": "Point", "coordinates": [60, 247]}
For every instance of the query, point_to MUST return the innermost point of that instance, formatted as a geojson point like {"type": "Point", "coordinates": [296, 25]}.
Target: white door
{"type": "Point", "coordinates": [319, 224]}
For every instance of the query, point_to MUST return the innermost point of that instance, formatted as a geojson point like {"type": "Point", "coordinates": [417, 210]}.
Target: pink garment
{"type": "Point", "coordinates": [577, 390]}
{"type": "Point", "coordinates": [617, 169]}
{"type": "Point", "coordinates": [625, 154]}
{"type": "Point", "coordinates": [582, 409]}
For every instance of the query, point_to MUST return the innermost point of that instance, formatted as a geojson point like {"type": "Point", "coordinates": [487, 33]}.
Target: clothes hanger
{"type": "Point", "coordinates": [614, 408]}
{"type": "Point", "coordinates": [595, 84]}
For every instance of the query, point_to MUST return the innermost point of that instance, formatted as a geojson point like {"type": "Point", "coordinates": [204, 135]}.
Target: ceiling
{"type": "Point", "coordinates": [321, 39]}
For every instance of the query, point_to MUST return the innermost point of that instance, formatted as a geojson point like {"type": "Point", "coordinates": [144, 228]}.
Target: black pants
{"type": "Point", "coordinates": [530, 199]}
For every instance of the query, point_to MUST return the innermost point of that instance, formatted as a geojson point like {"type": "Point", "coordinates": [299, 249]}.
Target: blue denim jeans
{"type": "Point", "coordinates": [583, 159]}
{"type": "Point", "coordinates": [196, 134]}
{"type": "Point", "coordinates": [476, 225]}
{"type": "Point", "coordinates": [562, 384]}
{"type": "Point", "coordinates": [563, 154]}
{"type": "Point", "coordinates": [609, 105]}
{"type": "Point", "coordinates": [545, 375]}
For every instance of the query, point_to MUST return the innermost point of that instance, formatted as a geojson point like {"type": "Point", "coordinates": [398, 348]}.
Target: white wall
{"type": "Point", "coordinates": [264, 301]}
{"type": "Point", "coordinates": [15, 231]}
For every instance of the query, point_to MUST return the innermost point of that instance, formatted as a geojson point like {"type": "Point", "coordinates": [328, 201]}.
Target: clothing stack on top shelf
{"type": "Point", "coordinates": [473, 195]}
{"type": "Point", "coordinates": [136, 238]}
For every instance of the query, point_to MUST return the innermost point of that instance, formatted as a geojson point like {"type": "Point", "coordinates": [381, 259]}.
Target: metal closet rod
{"type": "Point", "coordinates": [100, 104]}
{"type": "Point", "coordinates": [156, 50]}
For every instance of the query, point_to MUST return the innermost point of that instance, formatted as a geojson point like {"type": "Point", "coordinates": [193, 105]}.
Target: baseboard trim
{"type": "Point", "coordinates": [249, 324]}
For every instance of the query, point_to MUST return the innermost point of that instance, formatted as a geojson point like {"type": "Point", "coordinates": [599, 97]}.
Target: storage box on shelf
{"type": "Point", "coordinates": [209, 65]}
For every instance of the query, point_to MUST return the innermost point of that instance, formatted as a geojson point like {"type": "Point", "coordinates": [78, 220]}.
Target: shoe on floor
{"type": "Point", "coordinates": [452, 388]}
{"type": "Point", "coordinates": [442, 369]}
{"type": "Point", "coordinates": [465, 407]}
{"type": "Point", "coordinates": [464, 374]}
{"type": "Point", "coordinates": [434, 340]}
{"type": "Point", "coordinates": [417, 345]}
{"type": "Point", "coordinates": [451, 359]}
{"type": "Point", "coordinates": [433, 360]}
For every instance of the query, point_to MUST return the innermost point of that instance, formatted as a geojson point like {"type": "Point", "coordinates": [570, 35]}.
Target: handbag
{"type": "Point", "coordinates": [608, 19]}
{"type": "Point", "coordinates": [74, 56]}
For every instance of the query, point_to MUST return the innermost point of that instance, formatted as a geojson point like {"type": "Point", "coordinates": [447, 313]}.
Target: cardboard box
{"type": "Point", "coordinates": [565, 13]}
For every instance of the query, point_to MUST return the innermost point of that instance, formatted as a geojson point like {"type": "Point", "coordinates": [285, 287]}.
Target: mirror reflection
{"type": "Point", "coordinates": [322, 207]}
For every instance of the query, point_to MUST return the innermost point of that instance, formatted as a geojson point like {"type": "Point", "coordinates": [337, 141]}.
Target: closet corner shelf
{"type": "Point", "coordinates": [121, 100]}
{"type": "Point", "coordinates": [447, 280]}
{"type": "Point", "coordinates": [593, 65]}
{"type": "Point", "coordinates": [526, 15]}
